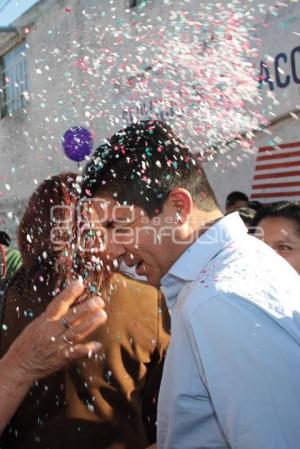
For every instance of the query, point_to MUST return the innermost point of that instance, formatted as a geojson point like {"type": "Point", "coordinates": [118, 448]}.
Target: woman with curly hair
{"type": "Point", "coordinates": [107, 400]}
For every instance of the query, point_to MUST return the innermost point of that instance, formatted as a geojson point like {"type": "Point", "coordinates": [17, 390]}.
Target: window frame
{"type": "Point", "coordinates": [12, 98]}
{"type": "Point", "coordinates": [133, 3]}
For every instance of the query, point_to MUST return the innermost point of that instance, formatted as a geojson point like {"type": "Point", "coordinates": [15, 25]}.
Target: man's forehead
{"type": "Point", "coordinates": [113, 209]}
{"type": "Point", "coordinates": [109, 202]}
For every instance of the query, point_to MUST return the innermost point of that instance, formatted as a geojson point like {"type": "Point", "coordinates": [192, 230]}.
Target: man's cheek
{"type": "Point", "coordinates": [146, 236]}
{"type": "Point", "coordinates": [124, 237]}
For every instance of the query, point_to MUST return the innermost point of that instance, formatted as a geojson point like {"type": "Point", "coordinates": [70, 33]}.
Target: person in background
{"type": "Point", "coordinates": [235, 200]}
{"type": "Point", "coordinates": [11, 258]}
{"type": "Point", "coordinates": [10, 262]}
{"type": "Point", "coordinates": [4, 243]}
{"type": "Point", "coordinates": [4, 238]}
{"type": "Point", "coordinates": [247, 214]}
{"type": "Point", "coordinates": [13, 262]}
{"type": "Point", "coordinates": [256, 205]}
{"type": "Point", "coordinates": [278, 225]}
{"type": "Point", "coordinates": [109, 400]}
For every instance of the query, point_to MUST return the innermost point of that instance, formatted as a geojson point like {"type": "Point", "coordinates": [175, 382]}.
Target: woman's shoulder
{"type": "Point", "coordinates": [120, 283]}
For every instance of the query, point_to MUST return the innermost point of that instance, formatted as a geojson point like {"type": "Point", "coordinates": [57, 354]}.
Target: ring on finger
{"type": "Point", "coordinates": [67, 340]}
{"type": "Point", "coordinates": [66, 324]}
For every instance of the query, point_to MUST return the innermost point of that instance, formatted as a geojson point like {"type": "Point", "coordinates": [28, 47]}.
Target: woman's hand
{"type": "Point", "coordinates": [47, 345]}
{"type": "Point", "coordinates": [53, 339]}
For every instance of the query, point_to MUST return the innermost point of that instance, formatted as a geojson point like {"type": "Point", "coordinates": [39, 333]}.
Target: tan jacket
{"type": "Point", "coordinates": [108, 401]}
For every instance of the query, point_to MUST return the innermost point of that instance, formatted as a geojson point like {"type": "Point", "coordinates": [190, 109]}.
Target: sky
{"type": "Point", "coordinates": [10, 10]}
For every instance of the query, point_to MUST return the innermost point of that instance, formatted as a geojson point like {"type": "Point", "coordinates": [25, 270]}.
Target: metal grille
{"type": "Point", "coordinates": [13, 80]}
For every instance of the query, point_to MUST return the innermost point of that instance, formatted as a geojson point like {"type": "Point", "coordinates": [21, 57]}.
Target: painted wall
{"type": "Point", "coordinates": [278, 65]}
{"type": "Point", "coordinates": [68, 86]}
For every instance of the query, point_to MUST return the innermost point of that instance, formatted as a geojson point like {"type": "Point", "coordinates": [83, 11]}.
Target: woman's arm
{"type": "Point", "coordinates": [47, 344]}
{"type": "Point", "coordinates": [13, 388]}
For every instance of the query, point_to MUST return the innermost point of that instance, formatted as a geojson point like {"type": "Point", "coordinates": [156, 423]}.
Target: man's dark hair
{"type": "Point", "coordinates": [247, 214]}
{"type": "Point", "coordinates": [142, 163]}
{"type": "Point", "coordinates": [235, 196]}
{"type": "Point", "coordinates": [282, 209]}
{"type": "Point", "coordinates": [4, 238]}
{"type": "Point", "coordinates": [256, 205]}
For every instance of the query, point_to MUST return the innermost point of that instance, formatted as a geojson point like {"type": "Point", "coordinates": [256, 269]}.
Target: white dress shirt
{"type": "Point", "coordinates": [130, 272]}
{"type": "Point", "coordinates": [232, 372]}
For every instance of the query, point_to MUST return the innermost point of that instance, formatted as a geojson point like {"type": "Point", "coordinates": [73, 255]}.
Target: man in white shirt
{"type": "Point", "coordinates": [232, 373]}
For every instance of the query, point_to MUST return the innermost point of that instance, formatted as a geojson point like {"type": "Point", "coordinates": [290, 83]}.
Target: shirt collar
{"type": "Point", "coordinates": [205, 248]}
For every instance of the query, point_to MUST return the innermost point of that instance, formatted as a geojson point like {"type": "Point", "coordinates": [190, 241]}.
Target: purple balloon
{"type": "Point", "coordinates": [77, 143]}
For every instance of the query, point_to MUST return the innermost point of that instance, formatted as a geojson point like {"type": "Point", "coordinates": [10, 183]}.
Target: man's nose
{"type": "Point", "coordinates": [130, 258]}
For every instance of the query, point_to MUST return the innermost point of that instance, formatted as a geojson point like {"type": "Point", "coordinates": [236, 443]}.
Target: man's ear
{"type": "Point", "coordinates": [181, 203]}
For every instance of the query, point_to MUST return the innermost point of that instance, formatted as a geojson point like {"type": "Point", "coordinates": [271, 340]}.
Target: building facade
{"type": "Point", "coordinates": [55, 73]}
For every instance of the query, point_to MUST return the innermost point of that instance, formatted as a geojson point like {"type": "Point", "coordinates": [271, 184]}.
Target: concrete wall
{"type": "Point", "coordinates": [280, 50]}
{"type": "Point", "coordinates": [68, 88]}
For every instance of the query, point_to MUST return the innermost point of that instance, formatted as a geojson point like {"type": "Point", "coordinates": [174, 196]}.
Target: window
{"type": "Point", "coordinates": [13, 80]}
{"type": "Point", "coordinates": [133, 3]}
